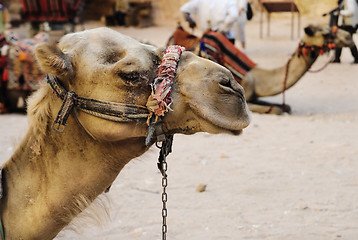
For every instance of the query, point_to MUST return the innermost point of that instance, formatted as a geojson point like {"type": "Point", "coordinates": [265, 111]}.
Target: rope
{"type": "Point", "coordinates": [286, 75]}
{"type": "Point", "coordinates": [323, 67]}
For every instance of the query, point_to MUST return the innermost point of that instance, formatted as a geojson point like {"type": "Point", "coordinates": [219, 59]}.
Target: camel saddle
{"type": "Point", "coordinates": [184, 39]}
{"type": "Point", "coordinates": [216, 47]}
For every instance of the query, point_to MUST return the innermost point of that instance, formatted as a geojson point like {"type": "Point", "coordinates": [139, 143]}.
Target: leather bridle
{"type": "Point", "coordinates": [113, 111]}
{"type": "Point", "coordinates": [158, 102]}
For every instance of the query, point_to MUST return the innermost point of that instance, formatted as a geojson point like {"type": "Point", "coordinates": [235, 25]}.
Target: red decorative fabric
{"type": "Point", "coordinates": [50, 10]}
{"type": "Point", "coordinates": [183, 38]}
{"type": "Point", "coordinates": [216, 47]}
{"type": "Point", "coordinates": [160, 99]}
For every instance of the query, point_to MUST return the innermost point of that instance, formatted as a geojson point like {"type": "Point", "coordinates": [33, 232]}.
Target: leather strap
{"type": "Point", "coordinates": [114, 111]}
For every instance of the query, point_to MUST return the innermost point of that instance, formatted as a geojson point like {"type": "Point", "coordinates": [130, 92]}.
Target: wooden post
{"type": "Point", "coordinates": [279, 6]}
{"type": "Point", "coordinates": [268, 23]}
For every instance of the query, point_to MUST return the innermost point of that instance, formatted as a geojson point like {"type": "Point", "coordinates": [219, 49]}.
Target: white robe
{"type": "Point", "coordinates": [221, 13]}
{"type": "Point", "coordinates": [349, 14]}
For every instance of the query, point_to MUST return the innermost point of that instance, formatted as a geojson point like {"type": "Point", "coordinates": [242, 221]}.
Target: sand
{"type": "Point", "coordinates": [286, 177]}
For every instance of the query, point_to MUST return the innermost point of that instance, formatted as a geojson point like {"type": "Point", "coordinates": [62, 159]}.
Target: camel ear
{"type": "Point", "coordinates": [52, 60]}
{"type": "Point", "coordinates": [309, 31]}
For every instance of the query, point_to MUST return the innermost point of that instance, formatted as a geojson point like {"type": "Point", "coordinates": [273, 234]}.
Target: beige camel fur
{"type": "Point", "coordinates": [52, 176]}
{"type": "Point", "coordinates": [260, 82]}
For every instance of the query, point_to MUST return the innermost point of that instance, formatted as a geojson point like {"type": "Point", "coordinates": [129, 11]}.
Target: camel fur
{"type": "Point", "coordinates": [53, 176]}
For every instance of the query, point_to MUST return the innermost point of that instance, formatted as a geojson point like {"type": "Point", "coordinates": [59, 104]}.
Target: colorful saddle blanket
{"type": "Point", "coordinates": [21, 68]}
{"type": "Point", "coordinates": [54, 10]}
{"type": "Point", "coordinates": [184, 39]}
{"type": "Point", "coordinates": [216, 47]}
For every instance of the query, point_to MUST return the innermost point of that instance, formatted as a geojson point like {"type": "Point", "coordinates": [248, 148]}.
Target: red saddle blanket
{"type": "Point", "coordinates": [50, 10]}
{"type": "Point", "coordinates": [184, 39]}
{"type": "Point", "coordinates": [216, 47]}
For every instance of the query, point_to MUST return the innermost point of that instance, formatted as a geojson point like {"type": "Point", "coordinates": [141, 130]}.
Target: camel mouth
{"type": "Point", "coordinates": [227, 87]}
{"type": "Point", "coordinates": [236, 132]}
{"type": "Point", "coordinates": [224, 124]}
{"type": "Point", "coordinates": [231, 113]}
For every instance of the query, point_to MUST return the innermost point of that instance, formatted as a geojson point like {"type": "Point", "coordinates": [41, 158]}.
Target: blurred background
{"type": "Point", "coordinates": [158, 12]}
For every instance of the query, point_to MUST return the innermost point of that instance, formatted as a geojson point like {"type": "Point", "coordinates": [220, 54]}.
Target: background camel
{"type": "Point", "coordinates": [23, 74]}
{"type": "Point", "coordinates": [53, 176]}
{"type": "Point", "coordinates": [260, 82]}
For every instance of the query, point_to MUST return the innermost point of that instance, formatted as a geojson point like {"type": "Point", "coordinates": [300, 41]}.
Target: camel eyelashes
{"type": "Point", "coordinates": [133, 78]}
{"type": "Point", "coordinates": [112, 58]}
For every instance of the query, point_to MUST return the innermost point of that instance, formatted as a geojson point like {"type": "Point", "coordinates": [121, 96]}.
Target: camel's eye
{"type": "Point", "coordinates": [132, 78]}
{"type": "Point", "coordinates": [111, 58]}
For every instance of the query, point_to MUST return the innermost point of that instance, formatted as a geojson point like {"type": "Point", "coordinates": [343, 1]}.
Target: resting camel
{"type": "Point", "coordinates": [260, 82]}
{"type": "Point", "coordinates": [106, 77]}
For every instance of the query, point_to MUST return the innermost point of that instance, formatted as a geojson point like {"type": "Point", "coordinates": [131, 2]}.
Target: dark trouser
{"type": "Point", "coordinates": [333, 20]}
{"type": "Point", "coordinates": [120, 17]}
{"type": "Point", "coordinates": [354, 50]}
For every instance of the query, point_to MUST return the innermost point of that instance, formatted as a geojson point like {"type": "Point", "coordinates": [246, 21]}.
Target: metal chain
{"type": "Point", "coordinates": [164, 198]}
{"type": "Point", "coordinates": [165, 149]}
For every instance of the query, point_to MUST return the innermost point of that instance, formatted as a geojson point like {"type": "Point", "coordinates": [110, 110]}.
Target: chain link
{"type": "Point", "coordinates": [164, 198]}
{"type": "Point", "coordinates": [165, 149]}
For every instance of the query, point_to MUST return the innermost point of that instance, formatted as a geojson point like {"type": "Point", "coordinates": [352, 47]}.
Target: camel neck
{"type": "Point", "coordinates": [51, 178]}
{"type": "Point", "coordinates": [269, 82]}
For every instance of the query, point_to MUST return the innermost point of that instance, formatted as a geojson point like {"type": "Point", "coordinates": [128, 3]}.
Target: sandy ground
{"type": "Point", "coordinates": [286, 177]}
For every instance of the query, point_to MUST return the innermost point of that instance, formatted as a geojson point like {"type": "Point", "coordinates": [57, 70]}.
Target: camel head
{"type": "Point", "coordinates": [105, 65]}
{"type": "Point", "coordinates": [317, 35]}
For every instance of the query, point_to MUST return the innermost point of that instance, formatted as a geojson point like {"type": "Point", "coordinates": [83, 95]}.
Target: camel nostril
{"type": "Point", "coordinates": [225, 83]}
{"type": "Point", "coordinates": [229, 88]}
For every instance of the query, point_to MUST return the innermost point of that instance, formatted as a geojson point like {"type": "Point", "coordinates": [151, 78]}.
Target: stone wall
{"type": "Point", "coordinates": [315, 7]}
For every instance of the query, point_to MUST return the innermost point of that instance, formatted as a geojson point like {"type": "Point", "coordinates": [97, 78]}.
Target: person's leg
{"type": "Point", "coordinates": [353, 49]}
{"type": "Point", "coordinates": [338, 51]}
{"type": "Point", "coordinates": [354, 52]}
{"type": "Point", "coordinates": [337, 58]}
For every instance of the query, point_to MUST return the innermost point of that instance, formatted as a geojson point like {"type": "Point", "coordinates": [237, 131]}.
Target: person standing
{"type": "Point", "coordinates": [348, 21]}
{"type": "Point", "coordinates": [241, 23]}
{"type": "Point", "coordinates": [121, 10]}
{"type": "Point", "coordinates": [217, 15]}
